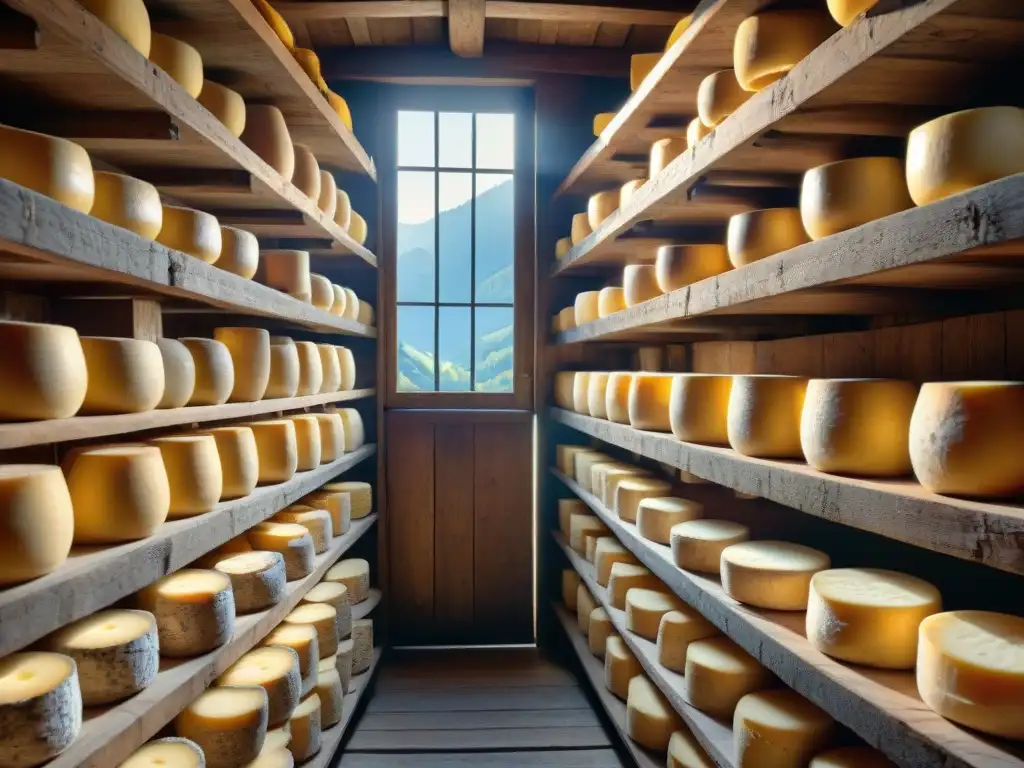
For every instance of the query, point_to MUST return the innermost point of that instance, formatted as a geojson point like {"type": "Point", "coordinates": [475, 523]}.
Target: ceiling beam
{"type": "Point", "coordinates": [328, 10]}
{"type": "Point", "coordinates": [466, 27]}
{"type": "Point", "coordinates": [580, 14]}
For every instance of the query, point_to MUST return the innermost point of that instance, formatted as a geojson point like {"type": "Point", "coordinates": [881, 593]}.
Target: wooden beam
{"type": "Point", "coordinates": [375, 9]}
{"type": "Point", "coordinates": [466, 27]}
{"type": "Point", "coordinates": [580, 14]}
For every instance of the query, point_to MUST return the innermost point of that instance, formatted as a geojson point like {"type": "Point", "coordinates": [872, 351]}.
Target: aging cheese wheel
{"type": "Point", "coordinates": [239, 460]}
{"type": "Point", "coordinates": [179, 373]}
{"type": "Point", "coordinates": [354, 431]}
{"type": "Point", "coordinates": [756, 235]}
{"type": "Point", "coordinates": [640, 65]}
{"type": "Point", "coordinates": [620, 666]}
{"type": "Point", "coordinates": [291, 540]}
{"type": "Point", "coordinates": [179, 60]}
{"type": "Point", "coordinates": [343, 210]}
{"type": "Point", "coordinates": [565, 455]}
{"type": "Point", "coordinates": [128, 203]}
{"type": "Point", "coordinates": [306, 176]}
{"type": "Point", "coordinates": [43, 374]}
{"type": "Point", "coordinates": [696, 132]}
{"type": "Point", "coordinates": [266, 134]}
{"type": "Point", "coordinates": [334, 594]}
{"type": "Point", "coordinates": [36, 521]}
{"type": "Point", "coordinates": [585, 307]}
{"type": "Point", "coordinates": [718, 673]}
{"type": "Point", "coordinates": [650, 719]}
{"type": "Point", "coordinates": [190, 231]}
{"type": "Point", "coordinates": [287, 271]}
{"type": "Point", "coordinates": [362, 645]}
{"type": "Point", "coordinates": [628, 191]}
{"type": "Point", "coordinates": [607, 552]}
{"type": "Point", "coordinates": [562, 247]}
{"type": "Point", "coordinates": [352, 304]}
{"type": "Point", "coordinates": [276, 670]}
{"type": "Point", "coordinates": [125, 375]}
{"type": "Point", "coordinates": [581, 229]}
{"type": "Point", "coordinates": [625, 576]}
{"type": "Point", "coordinates": [684, 751]}
{"type": "Point", "coordinates": [321, 292]}
{"type": "Point", "coordinates": [858, 426]}
{"type": "Point", "coordinates": [257, 579]}
{"type": "Point", "coordinates": [570, 583]}
{"type": "Point", "coordinates": [970, 669]}
{"type": "Point", "coordinates": [239, 253]}
{"type": "Point", "coordinates": [678, 30]}
{"type": "Point", "coordinates": [332, 436]}
{"type": "Point", "coordinates": [215, 372]}
{"type": "Point", "coordinates": [128, 18]}
{"type": "Point", "coordinates": [250, 357]}
{"type": "Point", "coordinates": [868, 616]}
{"type": "Point", "coordinates": [698, 408]}
{"type": "Point", "coordinates": [40, 707]}
{"type": "Point", "coordinates": [583, 466]}
{"type": "Point", "coordinates": [657, 516]}
{"type": "Point", "coordinates": [304, 640]}
{"type": "Point", "coordinates": [567, 508]}
{"type": "Point", "coordinates": [645, 608]}
{"type": "Point", "coordinates": [175, 752]}
{"type": "Point", "coordinates": [330, 691]}
{"type": "Point", "coordinates": [607, 479]}
{"type": "Point", "coordinates": [851, 757]}
{"type": "Point", "coordinates": [311, 372]}
{"type": "Point", "coordinates": [360, 496]}
{"type": "Point", "coordinates": [616, 401]}
{"type": "Point", "coordinates": [779, 729]}
{"type": "Point", "coordinates": [640, 283]}
{"type": "Point", "coordinates": [193, 473]}
{"type": "Point", "coordinates": [596, 388]}
{"type": "Point", "coordinates": [53, 167]}
{"type": "Point", "coordinates": [718, 96]}
{"type": "Point", "coordinates": [585, 605]}
{"type": "Point", "coordinates": [338, 504]}
{"type": "Point", "coordinates": [340, 300]}
{"type": "Point", "coordinates": [119, 492]}
{"type": "Point", "coordinates": [632, 491]}
{"type": "Point", "coordinates": [581, 391]}
{"type": "Point", "coordinates": [277, 448]}
{"type": "Point", "coordinates": [601, 121]}
{"type": "Point", "coordinates": [847, 193]}
{"type": "Point", "coordinates": [610, 300]}
{"type": "Point", "coordinates": [307, 440]}
{"type": "Point", "coordinates": [567, 318]}
{"type": "Point", "coordinates": [663, 152]}
{"type": "Point", "coordinates": [343, 663]}
{"type": "Point", "coordinates": [330, 367]}
{"type": "Point", "coordinates": [697, 545]}
{"type": "Point", "coordinates": [601, 206]}
{"type": "Point", "coordinates": [846, 11]}
{"type": "Point", "coordinates": [194, 610]}
{"type": "Point", "coordinates": [357, 229]}
{"type": "Point", "coordinates": [116, 653]}
{"type": "Point", "coordinates": [767, 45]}
{"type": "Point", "coordinates": [354, 573]}
{"type": "Point", "coordinates": [771, 574]}
{"type": "Point", "coordinates": [229, 724]}
{"type": "Point", "coordinates": [599, 629]}
{"type": "Point", "coordinates": [347, 365]}
{"type": "Point", "coordinates": [649, 398]}
{"type": "Point", "coordinates": [310, 64]}
{"type": "Point", "coordinates": [305, 729]}
{"type": "Point", "coordinates": [678, 266]}
{"type": "Point", "coordinates": [580, 526]}
{"type": "Point", "coordinates": [328, 199]}
{"type": "Point", "coordinates": [964, 438]}
{"type": "Point", "coordinates": [764, 415]}
{"type": "Point", "coordinates": [324, 619]}
{"type": "Point", "coordinates": [226, 105]}
{"type": "Point", "coordinates": [677, 629]}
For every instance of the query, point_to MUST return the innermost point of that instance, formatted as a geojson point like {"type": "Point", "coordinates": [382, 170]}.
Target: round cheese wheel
{"type": "Point", "coordinates": [190, 231]}
{"type": "Point", "coordinates": [276, 670]}
{"type": "Point", "coordinates": [601, 206]}
{"type": "Point", "coordinates": [347, 364]}
{"type": "Point", "coordinates": [634, 490]}
{"type": "Point", "coordinates": [307, 173]}
{"type": "Point", "coordinates": [352, 304]}
{"type": "Point", "coordinates": [334, 594]}
{"type": "Point", "coordinates": [193, 473]}
{"type": "Point", "coordinates": [331, 368]}
{"type": "Point", "coordinates": [128, 18]}
{"type": "Point", "coordinates": [610, 300]}
{"type": "Point", "coordinates": [194, 610]}
{"type": "Point", "coordinates": [596, 387]}
{"type": "Point", "coordinates": [278, 450]}
{"type": "Point", "coordinates": [338, 504]}
{"type": "Point", "coordinates": [215, 372]}
{"type": "Point", "coordinates": [964, 438]}
{"type": "Point", "coordinates": [640, 283]}
{"type": "Point", "coordinates": [767, 45]}
{"type": "Point", "coordinates": [179, 373]}
{"type": "Point", "coordinates": [340, 107]}
{"type": "Point", "coordinates": [278, 738]}
{"type": "Point", "coordinates": [179, 60]}
{"type": "Point", "coordinates": [628, 191]}
{"type": "Point", "coordinates": [764, 415]}
{"type": "Point", "coordinates": [311, 372]}
{"type": "Point", "coordinates": [868, 616]}
{"type": "Point", "coordinates": [302, 639]}
{"type": "Point", "coordinates": [645, 608]}
{"type": "Point", "coordinates": [327, 201]}
{"type": "Point", "coordinates": [970, 669]}
{"type": "Point", "coordinates": [321, 292]}
{"type": "Point", "coordinates": [362, 645]}
{"type": "Point", "coordinates": [228, 723]}
{"type": "Point", "coordinates": [316, 521]}
{"type": "Point", "coordinates": [305, 729]}
{"type": "Point", "coordinates": [40, 707]}
{"type": "Point", "coordinates": [36, 521]}
{"type": "Point", "coordinates": [677, 629]}
{"type": "Point", "coordinates": [845, 194]}
{"type": "Point", "coordinates": [718, 96]}
{"type": "Point", "coordinates": [697, 545]}
{"type": "Point", "coordinates": [650, 719]}
{"type": "Point", "coordinates": [620, 666]}
{"type": "Point", "coordinates": [257, 579]}
{"type": "Point", "coordinates": [566, 509]}
{"type": "Point", "coordinates": [640, 65]}
{"type": "Point", "coordinates": [324, 619]}
{"type": "Point", "coordinates": [226, 105]}
{"type": "Point", "coordinates": [562, 246]}
{"type": "Point", "coordinates": [284, 368]}
{"type": "Point", "coordinates": [343, 662]}
{"type": "Point", "coordinates": [338, 307]}
{"type": "Point", "coordinates": [357, 229]}
{"type": "Point", "coordinates": [570, 583]}
{"type": "Point", "coordinates": [288, 272]}
{"type": "Point", "coordinates": [125, 375]}
{"type": "Point", "coordinates": [626, 576]}
{"type": "Point", "coordinates": [657, 516]}
{"type": "Point", "coordinates": [250, 357]}
{"type": "Point", "coordinates": [580, 391]}
{"type": "Point", "coordinates": [180, 753]}
{"type": "Point", "coordinates": [584, 463]}
{"type": "Point", "coordinates": [680, 265]}
{"type": "Point", "coordinates": [755, 235]}
{"type": "Point", "coordinates": [601, 121]}
{"type": "Point", "coordinates": [718, 673]}
{"type": "Point", "coordinates": [239, 253]}
{"type": "Point", "coordinates": [128, 203]}
{"type": "Point", "coordinates": [573, 455]}
{"type": "Point", "coordinates": [291, 540]}
{"type": "Point", "coordinates": [846, 11]}
{"type": "Point", "coordinates": [663, 152]}
{"type": "Point", "coordinates": [354, 573]}
{"type": "Point", "coordinates": [616, 399]}
{"type": "Point", "coordinates": [851, 757]}
{"type": "Point", "coordinates": [333, 439]}
{"type": "Point", "coordinates": [779, 728]}
{"type": "Point", "coordinates": [331, 694]}
{"type": "Point", "coordinates": [684, 751]}
{"type": "Point", "coordinates": [599, 630]}
{"type": "Point", "coordinates": [696, 132]}
{"type": "Point", "coordinates": [266, 134]}
{"type": "Point", "coordinates": [771, 574]}
{"type": "Point", "coordinates": [649, 397]}
{"type": "Point", "coordinates": [585, 307]}
{"type": "Point", "coordinates": [310, 64]}
{"type": "Point", "coordinates": [365, 315]}
{"type": "Point", "coordinates": [607, 553]}
{"type": "Point", "coordinates": [343, 210]}
{"type": "Point", "coordinates": [565, 382]}
{"type": "Point", "coordinates": [53, 167]}
{"type": "Point", "coordinates": [44, 374]}
{"type": "Point", "coordinates": [119, 493]}
{"type": "Point", "coordinates": [605, 479]}
{"type": "Point", "coordinates": [581, 229]}
{"type": "Point", "coordinates": [678, 30]}
{"type": "Point", "coordinates": [307, 440]}
{"type": "Point", "coordinates": [858, 426]}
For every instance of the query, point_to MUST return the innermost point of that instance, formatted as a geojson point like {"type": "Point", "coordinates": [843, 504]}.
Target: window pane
{"type": "Point", "coordinates": [453, 334]}
{"type": "Point", "coordinates": [494, 343]}
{"type": "Point", "coordinates": [455, 229]}
{"type": "Point", "coordinates": [496, 141]}
{"type": "Point", "coordinates": [495, 238]}
{"type": "Point", "coordinates": [456, 139]}
{"type": "Point", "coordinates": [416, 139]}
{"type": "Point", "coordinates": [415, 236]}
{"type": "Point", "coordinates": [415, 344]}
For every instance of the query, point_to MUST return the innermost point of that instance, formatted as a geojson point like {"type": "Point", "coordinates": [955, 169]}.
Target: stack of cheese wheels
{"type": "Point", "coordinates": [601, 206]}
{"type": "Point", "coordinates": [656, 516]}
{"type": "Point", "coordinates": [600, 629]}
{"type": "Point", "coordinates": [847, 193]}
{"type": "Point", "coordinates": [276, 670]}
{"type": "Point", "coordinates": [215, 373]}
{"type": "Point", "coordinates": [610, 300]}
{"type": "Point", "coordinates": [193, 473]}
{"type": "Point", "coordinates": [334, 594]}
{"type": "Point", "coordinates": [355, 432]}
{"type": "Point", "coordinates": [125, 375]}
{"type": "Point", "coordinates": [663, 152]}
{"type": "Point", "coordinates": [628, 191]}
{"type": "Point", "coordinates": [36, 521]}
{"type": "Point", "coordinates": [283, 380]}
{"type": "Point", "coordinates": [718, 673]}
{"type": "Point", "coordinates": [257, 579]}
{"type": "Point", "coordinates": [179, 60]}
{"type": "Point", "coordinates": [779, 727]}
{"type": "Point", "coordinates": [718, 96]}
{"type": "Point", "coordinates": [570, 583]}
{"type": "Point", "coordinates": [190, 231]}
{"type": "Point", "coordinates": [581, 391]}
{"type": "Point", "coordinates": [331, 692]}
{"type": "Point", "coordinates": [585, 605]}
{"type": "Point", "coordinates": [305, 728]}
{"type": "Point", "coordinates": [277, 448]}
{"type": "Point", "coordinates": [771, 574]}
{"type": "Point", "coordinates": [226, 105]}
{"type": "Point", "coordinates": [43, 375]}
{"type": "Point", "coordinates": [291, 540]}
{"type": "Point", "coordinates": [324, 619]}
{"type": "Point", "coordinates": [194, 610]}
{"type": "Point", "coordinates": [616, 398]}
{"type": "Point", "coordinates": [769, 44]}
{"type": "Point", "coordinates": [360, 496]}
{"type": "Point", "coordinates": [764, 415]}
{"type": "Point", "coordinates": [239, 460]}
{"type": "Point", "coordinates": [311, 372]}
{"type": "Point", "coordinates": [178, 752]}
{"type": "Point", "coordinates": [649, 398]}
{"type": "Point", "coordinates": [307, 441]}
{"type": "Point", "coordinates": [228, 723]}
{"type": "Point", "coordinates": [250, 356]}
{"type": "Point", "coordinates": [645, 609]}
{"type": "Point", "coordinates": [354, 573]}
{"type": "Point", "coordinates": [347, 364]}
{"type": "Point", "coordinates": [677, 630]}
{"type": "Point", "coordinates": [316, 521]}
{"type": "Point", "coordinates": [585, 307]}
{"type": "Point", "coordinates": [179, 373]}
{"type": "Point", "coordinates": [327, 200]}
{"type": "Point", "coordinates": [306, 176]}
{"type": "Point", "coordinates": [846, 11]}
{"type": "Point", "coordinates": [626, 576]}
{"type": "Point", "coordinates": [128, 203]}
{"type": "Point", "coordinates": [620, 666]}
{"type": "Point", "coordinates": [362, 645]}
{"type": "Point", "coordinates": [632, 491]}
{"type": "Point", "coordinates": [40, 707]}
{"type": "Point", "coordinates": [305, 641]}
{"type": "Point", "coordinates": [337, 503]}
{"type": "Point", "coordinates": [287, 271]}
{"type": "Point", "coordinates": [607, 552]}
{"type": "Point", "coordinates": [53, 167]}
{"type": "Point", "coordinates": [698, 407]}
{"type": "Point", "coordinates": [266, 134]}
{"type": "Point", "coordinates": [119, 492]}
{"type": "Point", "coordinates": [640, 283]}
{"type": "Point", "coordinates": [580, 228]}
{"type": "Point", "coordinates": [650, 719]}
{"type": "Point", "coordinates": [678, 266]}
{"type": "Point", "coordinates": [755, 235]}
{"type": "Point", "coordinates": [697, 545]}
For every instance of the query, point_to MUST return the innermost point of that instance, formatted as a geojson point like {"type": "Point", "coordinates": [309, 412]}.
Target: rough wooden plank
{"type": "Point", "coordinates": [538, 698]}
{"type": "Point", "coordinates": [572, 12]}
{"type": "Point", "coordinates": [553, 736]}
{"type": "Point", "coordinates": [583, 758]}
{"type": "Point", "coordinates": [466, 27]}
{"type": "Point", "coordinates": [333, 736]}
{"type": "Point", "coordinates": [95, 577]}
{"type": "Point", "coordinates": [466, 721]}
{"type": "Point", "coordinates": [454, 515]}
{"type": "Point", "coordinates": [374, 9]}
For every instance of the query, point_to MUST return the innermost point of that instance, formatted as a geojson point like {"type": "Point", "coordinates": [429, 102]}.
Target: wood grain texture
{"type": "Point", "coordinates": [573, 12]}
{"type": "Point", "coordinates": [454, 523]}
{"type": "Point", "coordinates": [583, 758]}
{"type": "Point", "coordinates": [333, 736]}
{"type": "Point", "coordinates": [537, 698]}
{"type": "Point", "coordinates": [466, 27]}
{"type": "Point", "coordinates": [553, 735]}
{"type": "Point", "coordinates": [95, 577]}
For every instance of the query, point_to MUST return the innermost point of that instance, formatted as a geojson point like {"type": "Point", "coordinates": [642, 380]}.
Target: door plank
{"type": "Point", "coordinates": [453, 532]}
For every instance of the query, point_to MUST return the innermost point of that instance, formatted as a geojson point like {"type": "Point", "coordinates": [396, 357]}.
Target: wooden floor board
{"type": "Point", "coordinates": [558, 737]}
{"type": "Point", "coordinates": [419, 721]}
{"type": "Point", "coordinates": [589, 758]}
{"type": "Point", "coordinates": [494, 700]}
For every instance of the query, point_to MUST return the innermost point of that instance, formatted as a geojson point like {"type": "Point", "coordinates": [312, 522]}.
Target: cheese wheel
{"type": "Point", "coordinates": [355, 433]}
{"type": "Point", "coordinates": [239, 460]}
{"type": "Point", "coordinates": [338, 504]}
{"type": "Point", "coordinates": [607, 552]}
{"type": "Point", "coordinates": [338, 307]}
{"type": "Point", "coordinates": [125, 375]}
{"type": "Point", "coordinates": [596, 390]}
{"type": "Point", "coordinates": [847, 193]}
{"type": "Point", "coordinates": [632, 491]}
{"type": "Point", "coordinates": [321, 292]}
{"type": "Point", "coordinates": [771, 574]}
{"type": "Point", "coordinates": [851, 757]}
{"type": "Point", "coordinates": [194, 610]}
{"type": "Point", "coordinates": [640, 65]}
{"type": "Point", "coordinates": [698, 408]}
{"type": "Point", "coordinates": [310, 64]}
{"type": "Point", "coordinates": [764, 415]}
{"type": "Point", "coordinates": [40, 707]}
{"type": "Point", "coordinates": [228, 723]}
{"type": "Point", "coordinates": [53, 167]}
{"type": "Point", "coordinates": [291, 540]}
{"type": "Point", "coordinates": [649, 398]}
{"type": "Point", "coordinates": [357, 229]}
{"type": "Point", "coordinates": [311, 372]}
{"type": "Point", "coordinates": [718, 673]}
{"type": "Point", "coordinates": [601, 206]}
{"type": "Point", "coordinates": [676, 630]}
{"type": "Point", "coordinates": [179, 373]}
{"type": "Point", "coordinates": [756, 235]}
{"type": "Point", "coordinates": [628, 191]}
{"type": "Point", "coordinates": [677, 32]}
{"type": "Point", "coordinates": [257, 579]}
{"type": "Point", "coordinates": [610, 300]}
{"type": "Point", "coordinates": [324, 619]}
{"type": "Point", "coordinates": [581, 229]}
{"type": "Point", "coordinates": [565, 320]}
{"type": "Point", "coordinates": [277, 448]}
{"type": "Point", "coordinates": [305, 641]}
{"type": "Point", "coordinates": [305, 729]}
{"type": "Point", "coordinates": [585, 605]}
{"type": "Point", "coordinates": [584, 463]}
{"type": "Point", "coordinates": [868, 616]}
{"type": "Point", "coordinates": [115, 651]}
{"type": "Point", "coordinates": [331, 368]}
{"type": "Point", "coordinates": [332, 438]}
{"type": "Point", "coordinates": [352, 304]}
{"type": "Point", "coordinates": [565, 455]}
{"type": "Point", "coordinates": [601, 122]}
{"type": "Point", "coordinates": [179, 60]}
{"type": "Point", "coordinates": [193, 473]}
{"type": "Point", "coordinates": [963, 438]}
{"type": "Point", "coordinates": [327, 200]}
{"type": "Point", "coordinates": [306, 176]}
{"type": "Point", "coordinates": [362, 645]}
{"type": "Point", "coordinates": [287, 271]}
{"type": "Point", "coordinates": [307, 440]}
{"type": "Point", "coordinates": [330, 692]}
{"type": "Point", "coordinates": [846, 11]}
{"type": "Point", "coordinates": [697, 545]}
{"type": "Point", "coordinates": [582, 525]}
{"type": "Point", "coordinates": [119, 492]}
{"type": "Point", "coordinates": [215, 371]}
{"type": "Point", "coordinates": [226, 105]}
{"type": "Point", "coordinates": [564, 388]}
{"type": "Point", "coordinates": [179, 753]}
{"type": "Point", "coordinates": [36, 521]}
{"type": "Point", "coordinates": [767, 45]}
{"type": "Point", "coordinates": [645, 608]}
{"type": "Point", "coordinates": [562, 246]}
{"type": "Point", "coordinates": [570, 583]}
{"type": "Point", "coordinates": [691, 479]}
{"type": "Point", "coordinates": [354, 573]}
{"type": "Point", "coordinates": [266, 134]}
{"type": "Point", "coordinates": [625, 576]}
{"type": "Point", "coordinates": [696, 132]}
{"type": "Point", "coordinates": [250, 356]}
{"type": "Point", "coordinates": [239, 253]}
{"type": "Point", "coordinates": [718, 96]}
{"type": "Point", "coordinates": [360, 495]}
{"type": "Point", "coordinates": [970, 669]}
{"type": "Point", "coordinates": [640, 283]}
{"type": "Point", "coordinates": [858, 426]}
{"type": "Point", "coordinates": [190, 231]}
{"type": "Point", "coordinates": [616, 401]}
{"type": "Point", "coordinates": [620, 666]}
{"type": "Point", "coordinates": [678, 266]}
{"type": "Point", "coordinates": [347, 366]}
{"type": "Point", "coordinates": [657, 516]}
{"type": "Point", "coordinates": [599, 629]}
{"type": "Point", "coordinates": [650, 719]}
{"type": "Point", "coordinates": [779, 729]}
{"type": "Point", "coordinates": [586, 307]}
{"type": "Point", "coordinates": [343, 662]}
{"type": "Point", "coordinates": [128, 203]}
{"type": "Point", "coordinates": [608, 478]}
{"type": "Point", "coordinates": [43, 374]}
{"type": "Point", "coordinates": [684, 751]}
{"type": "Point", "coordinates": [581, 392]}
{"type": "Point", "coordinates": [663, 152]}
{"type": "Point", "coordinates": [276, 670]}
{"type": "Point", "coordinates": [566, 508]}
{"type": "Point", "coordinates": [334, 594]}
{"type": "Point", "coordinates": [343, 210]}
{"type": "Point", "coordinates": [278, 738]}
{"type": "Point", "coordinates": [128, 18]}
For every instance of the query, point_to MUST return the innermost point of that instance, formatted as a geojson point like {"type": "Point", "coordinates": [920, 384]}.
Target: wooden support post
{"type": "Point", "coordinates": [126, 318]}
{"type": "Point", "coordinates": [466, 27]}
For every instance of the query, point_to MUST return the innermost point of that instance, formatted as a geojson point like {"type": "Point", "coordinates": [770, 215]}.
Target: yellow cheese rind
{"type": "Point", "coordinates": [620, 666]}
{"type": "Point", "coordinates": [696, 132]}
{"type": "Point", "coordinates": [128, 18]}
{"type": "Point", "coordinates": [846, 12]}
{"type": "Point", "coordinates": [650, 719]}
{"type": "Point", "coordinates": [360, 496]}
{"type": "Point", "coordinates": [173, 751]}
{"type": "Point", "coordinates": [847, 193]}
{"type": "Point", "coordinates": [340, 300]}
{"type": "Point", "coordinates": [581, 228]}
{"type": "Point", "coordinates": [304, 640]}
{"type": "Point", "coordinates": [771, 574]}
{"type": "Point", "coordinates": [40, 707]}
{"type": "Point", "coordinates": [291, 540]}
{"type": "Point", "coordinates": [276, 22]}
{"type": "Point", "coordinates": [239, 460]}
{"type": "Point", "coordinates": [324, 619]}
{"type": "Point", "coordinates": [599, 629]}
{"type": "Point", "coordinates": [194, 610]}
{"type": "Point", "coordinates": [358, 229]}
{"type": "Point", "coordinates": [193, 473]}
{"type": "Point", "coordinates": [355, 434]}
{"type": "Point", "coordinates": [628, 191]}
{"type": "Point", "coordinates": [179, 373]}
{"type": "Point", "coordinates": [585, 605]}
{"type": "Point", "coordinates": [347, 365]}
{"type": "Point", "coordinates": [632, 491]}
{"type": "Point", "coordinates": [190, 231]}
{"type": "Point", "coordinates": [276, 670]}
{"type": "Point", "coordinates": [179, 60]}
{"type": "Point", "coordinates": [663, 152]}
{"type": "Point", "coordinates": [43, 374]}
{"type": "Point", "coordinates": [321, 292]}
{"type": "Point", "coordinates": [570, 583]}
{"type": "Point", "coordinates": [678, 30]}
{"type": "Point", "coordinates": [334, 594]}
{"type": "Point", "coordinates": [601, 206]}
{"type": "Point", "coordinates": [330, 367]}
{"type": "Point", "coordinates": [649, 398]}
{"type": "Point", "coordinates": [563, 389]}
{"type": "Point", "coordinates": [307, 440]}
{"type": "Point", "coordinates": [581, 391]}
{"type": "Point", "coordinates": [331, 694]}
{"type": "Point", "coordinates": [226, 105]}
{"type": "Point", "coordinates": [851, 757]}
{"type": "Point", "coordinates": [229, 723]}
{"type": "Point", "coordinates": [718, 96]}
{"type": "Point", "coordinates": [767, 45]}
{"type": "Point", "coordinates": [287, 270]}
{"type": "Point", "coordinates": [338, 504]}
{"type": "Point", "coordinates": [125, 375]}
{"type": "Point", "coordinates": [580, 526]}
{"type": "Point", "coordinates": [343, 210]}
{"type": "Point", "coordinates": [607, 552]}
{"type": "Point", "coordinates": [596, 388]}
{"type": "Point", "coordinates": [126, 202]}
{"type": "Point", "coordinates": [625, 576]}
{"type": "Point", "coordinates": [607, 478]}
{"type": "Point", "coordinates": [601, 121]}
{"type": "Point", "coordinates": [718, 673]}
{"type": "Point", "coordinates": [764, 415]}
{"type": "Point", "coordinates": [755, 235]}
{"type": "Point", "coordinates": [779, 728]}
{"type": "Point", "coordinates": [328, 198]}
{"type": "Point", "coordinates": [36, 521]}
{"type": "Point", "coordinates": [616, 403]}
{"type": "Point", "coordinates": [676, 630]}
{"type": "Point", "coordinates": [640, 283]}
{"type": "Point", "coordinates": [697, 545]}
{"type": "Point", "coordinates": [585, 307]}
{"type": "Point", "coordinates": [640, 66]}
{"type": "Point", "coordinates": [284, 368]}
{"type": "Point", "coordinates": [657, 515]}
{"type": "Point", "coordinates": [646, 607]}
{"type": "Point", "coordinates": [698, 408]}
{"type": "Point", "coordinates": [305, 728]}
{"type": "Point", "coordinates": [311, 372]}
{"type": "Point", "coordinates": [257, 579]}
{"type": "Point", "coordinates": [678, 266]}
{"type": "Point", "coordinates": [306, 176]}
{"type": "Point", "coordinates": [53, 167]}
{"type": "Point", "coordinates": [562, 246]}
{"type": "Point", "coordinates": [239, 253]}
{"type": "Point", "coordinates": [684, 751]}
{"type": "Point", "coordinates": [266, 134]}
{"type": "Point", "coordinates": [250, 357]}
{"type": "Point", "coordinates": [354, 573]}
{"type": "Point", "coordinates": [278, 738]}
{"type": "Point", "coordinates": [362, 645]}
{"type": "Point", "coordinates": [610, 300]}
{"type": "Point", "coordinates": [277, 448]}
{"type": "Point", "coordinates": [215, 373]}
{"type": "Point", "coordinates": [566, 459]}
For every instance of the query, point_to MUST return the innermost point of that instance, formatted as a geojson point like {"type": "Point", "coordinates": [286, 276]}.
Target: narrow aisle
{"type": "Point", "coordinates": [488, 708]}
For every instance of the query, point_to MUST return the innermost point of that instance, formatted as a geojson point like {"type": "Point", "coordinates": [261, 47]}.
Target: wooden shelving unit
{"type": "Point", "coordinates": [333, 736]}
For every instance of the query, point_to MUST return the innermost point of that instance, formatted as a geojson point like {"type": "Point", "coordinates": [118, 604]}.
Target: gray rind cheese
{"type": "Point", "coordinates": [354, 573]}
{"type": "Point", "coordinates": [362, 651]}
{"type": "Point", "coordinates": [335, 594]}
{"type": "Point", "coordinates": [194, 610]}
{"type": "Point", "coordinates": [258, 579]}
{"type": "Point", "coordinates": [36, 725]}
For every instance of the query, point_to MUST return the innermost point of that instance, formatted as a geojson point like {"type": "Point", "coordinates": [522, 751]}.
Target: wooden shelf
{"type": "Point", "coordinates": [332, 737]}
{"type": "Point", "coordinates": [85, 83]}
{"type": "Point", "coordinates": [95, 577]}
{"type": "Point", "coordinates": [42, 240]}
{"type": "Point", "coordinates": [880, 706]}
{"type": "Point", "coordinates": [111, 734]}
{"type": "Point", "coordinates": [613, 707]}
{"type": "Point", "coordinates": [982, 532]}
{"type": "Point", "coordinates": [876, 78]}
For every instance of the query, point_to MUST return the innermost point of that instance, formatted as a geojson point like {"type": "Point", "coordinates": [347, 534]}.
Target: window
{"type": "Point", "coordinates": [455, 246]}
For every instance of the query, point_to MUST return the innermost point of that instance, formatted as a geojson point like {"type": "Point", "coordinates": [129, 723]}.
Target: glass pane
{"type": "Point", "coordinates": [496, 141]}
{"type": "Point", "coordinates": [495, 238]}
{"type": "Point", "coordinates": [416, 139]}
{"type": "Point", "coordinates": [415, 345]}
{"type": "Point", "coordinates": [415, 236]}
{"type": "Point", "coordinates": [494, 343]}
{"type": "Point", "coordinates": [453, 333]}
{"type": "Point", "coordinates": [456, 139]}
{"type": "Point", "coordinates": [455, 224]}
